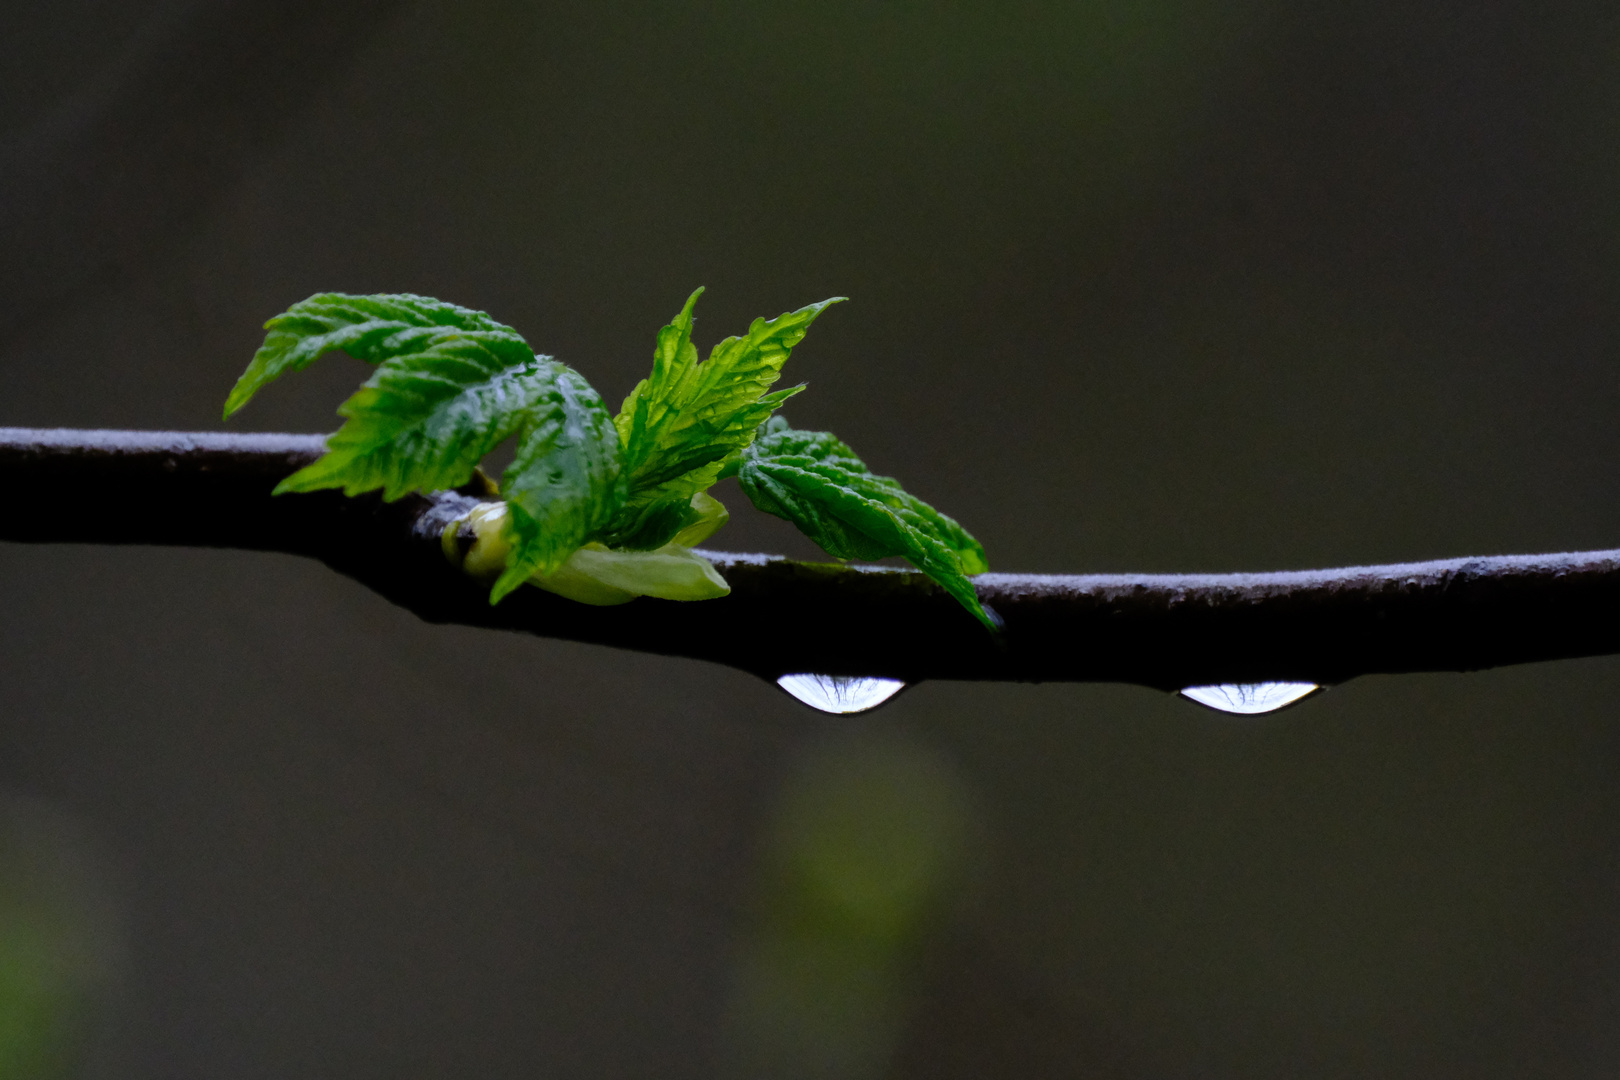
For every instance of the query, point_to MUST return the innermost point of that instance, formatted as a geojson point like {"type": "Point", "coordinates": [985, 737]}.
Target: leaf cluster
{"type": "Point", "coordinates": [451, 384]}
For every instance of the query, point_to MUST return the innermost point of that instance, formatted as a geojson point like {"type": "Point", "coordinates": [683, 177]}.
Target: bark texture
{"type": "Point", "coordinates": [1164, 631]}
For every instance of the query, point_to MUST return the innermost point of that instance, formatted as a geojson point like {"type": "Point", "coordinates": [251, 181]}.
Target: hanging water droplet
{"type": "Point", "coordinates": [841, 694]}
{"type": "Point", "coordinates": [1249, 699]}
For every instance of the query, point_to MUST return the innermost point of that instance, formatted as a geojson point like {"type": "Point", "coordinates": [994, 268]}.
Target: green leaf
{"type": "Point", "coordinates": [369, 328]}
{"type": "Point", "coordinates": [707, 517]}
{"type": "Point", "coordinates": [818, 483]}
{"type": "Point", "coordinates": [593, 574]}
{"type": "Point", "coordinates": [451, 384]}
{"type": "Point", "coordinates": [425, 419]}
{"type": "Point", "coordinates": [652, 517]}
{"type": "Point", "coordinates": [681, 423]}
{"type": "Point", "coordinates": [565, 483]}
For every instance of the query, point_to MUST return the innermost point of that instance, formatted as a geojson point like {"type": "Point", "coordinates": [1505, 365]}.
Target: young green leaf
{"type": "Point", "coordinates": [593, 574]}
{"type": "Point", "coordinates": [681, 422]}
{"type": "Point", "coordinates": [565, 483]}
{"type": "Point", "coordinates": [369, 328]}
{"type": "Point", "coordinates": [423, 420]}
{"type": "Point", "coordinates": [651, 517]}
{"type": "Point", "coordinates": [596, 508]}
{"type": "Point", "coordinates": [815, 481]}
{"type": "Point", "coordinates": [444, 395]}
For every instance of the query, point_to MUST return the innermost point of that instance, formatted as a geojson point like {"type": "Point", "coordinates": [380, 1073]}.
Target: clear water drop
{"type": "Point", "coordinates": [1250, 699]}
{"type": "Point", "coordinates": [841, 694]}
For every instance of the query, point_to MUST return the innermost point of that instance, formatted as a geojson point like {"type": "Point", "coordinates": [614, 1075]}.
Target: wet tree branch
{"type": "Point", "coordinates": [1166, 631]}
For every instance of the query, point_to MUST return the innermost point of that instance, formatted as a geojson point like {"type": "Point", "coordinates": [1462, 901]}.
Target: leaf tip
{"type": "Point", "coordinates": [504, 585]}
{"type": "Point", "coordinates": [239, 396]}
{"type": "Point", "coordinates": [685, 317]}
{"type": "Point", "coordinates": [310, 478]}
{"type": "Point", "coordinates": [822, 305]}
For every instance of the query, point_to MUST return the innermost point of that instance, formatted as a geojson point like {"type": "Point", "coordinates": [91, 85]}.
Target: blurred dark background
{"type": "Point", "coordinates": [1137, 285]}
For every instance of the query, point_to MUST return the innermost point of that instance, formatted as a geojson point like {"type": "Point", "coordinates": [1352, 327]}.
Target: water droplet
{"type": "Point", "coordinates": [841, 694]}
{"type": "Point", "coordinates": [1249, 699]}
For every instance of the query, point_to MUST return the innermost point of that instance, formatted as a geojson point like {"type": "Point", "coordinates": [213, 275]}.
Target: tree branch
{"type": "Point", "coordinates": [1164, 631]}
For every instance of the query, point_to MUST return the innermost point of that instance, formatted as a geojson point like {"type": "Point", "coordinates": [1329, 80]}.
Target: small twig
{"type": "Point", "coordinates": [1166, 631]}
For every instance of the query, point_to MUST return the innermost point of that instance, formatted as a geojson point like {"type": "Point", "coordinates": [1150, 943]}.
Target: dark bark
{"type": "Point", "coordinates": [1166, 631]}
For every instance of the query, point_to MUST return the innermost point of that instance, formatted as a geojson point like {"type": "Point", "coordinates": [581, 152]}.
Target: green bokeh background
{"type": "Point", "coordinates": [1155, 285]}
